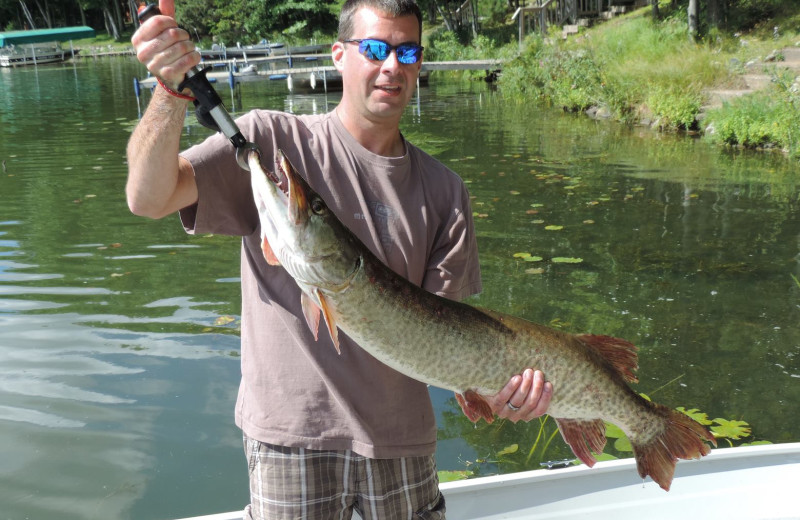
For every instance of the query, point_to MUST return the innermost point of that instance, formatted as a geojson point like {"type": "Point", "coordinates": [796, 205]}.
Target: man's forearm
{"type": "Point", "coordinates": [158, 182]}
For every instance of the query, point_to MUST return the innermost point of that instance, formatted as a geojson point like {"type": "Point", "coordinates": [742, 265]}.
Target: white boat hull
{"type": "Point", "coordinates": [32, 55]}
{"type": "Point", "coordinates": [755, 482]}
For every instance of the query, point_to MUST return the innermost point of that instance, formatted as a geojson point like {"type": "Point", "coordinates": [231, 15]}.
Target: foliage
{"type": "Point", "coordinates": [763, 119]}
{"type": "Point", "coordinates": [571, 79]}
{"type": "Point", "coordinates": [447, 45]}
{"type": "Point", "coordinates": [677, 107]}
{"type": "Point", "coordinates": [228, 21]}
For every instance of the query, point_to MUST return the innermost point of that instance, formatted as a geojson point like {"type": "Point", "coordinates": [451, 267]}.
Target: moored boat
{"type": "Point", "coordinates": [750, 482]}
{"type": "Point", "coordinates": [39, 46]}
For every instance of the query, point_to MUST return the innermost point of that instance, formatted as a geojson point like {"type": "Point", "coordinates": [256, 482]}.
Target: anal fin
{"type": "Point", "coordinates": [584, 436]}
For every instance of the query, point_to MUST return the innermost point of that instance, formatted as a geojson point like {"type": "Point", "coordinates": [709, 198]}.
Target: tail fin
{"type": "Point", "coordinates": [682, 438]}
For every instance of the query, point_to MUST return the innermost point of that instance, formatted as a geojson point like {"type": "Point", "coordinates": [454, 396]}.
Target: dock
{"type": "Point", "coordinates": [308, 78]}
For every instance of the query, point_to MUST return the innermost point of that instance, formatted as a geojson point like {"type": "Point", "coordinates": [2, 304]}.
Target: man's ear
{"type": "Point", "coordinates": [337, 55]}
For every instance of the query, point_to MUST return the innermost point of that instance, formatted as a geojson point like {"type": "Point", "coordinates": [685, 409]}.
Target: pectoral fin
{"type": "Point", "coordinates": [475, 406]}
{"type": "Point", "coordinates": [311, 313]}
{"type": "Point", "coordinates": [269, 254]}
{"type": "Point", "coordinates": [329, 319]}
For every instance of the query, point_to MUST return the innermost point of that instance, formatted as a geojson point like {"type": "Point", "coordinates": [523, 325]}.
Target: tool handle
{"type": "Point", "coordinates": [209, 109]}
{"type": "Point", "coordinates": [146, 12]}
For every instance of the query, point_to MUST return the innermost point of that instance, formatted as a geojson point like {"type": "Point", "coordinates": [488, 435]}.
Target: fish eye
{"type": "Point", "coordinates": [317, 206]}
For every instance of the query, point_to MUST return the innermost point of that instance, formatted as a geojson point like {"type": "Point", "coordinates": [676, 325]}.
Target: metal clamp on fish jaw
{"type": "Point", "coordinates": [209, 110]}
{"type": "Point", "coordinates": [243, 154]}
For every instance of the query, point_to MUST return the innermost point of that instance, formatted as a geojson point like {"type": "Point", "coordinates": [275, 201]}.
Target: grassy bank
{"type": "Point", "coordinates": [642, 72]}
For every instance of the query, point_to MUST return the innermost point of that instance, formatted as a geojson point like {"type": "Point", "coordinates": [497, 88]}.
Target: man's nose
{"type": "Point", "coordinates": [391, 62]}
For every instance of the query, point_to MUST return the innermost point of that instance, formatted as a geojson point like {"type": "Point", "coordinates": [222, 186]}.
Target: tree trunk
{"type": "Point", "coordinates": [447, 22]}
{"type": "Point", "coordinates": [27, 14]}
{"type": "Point", "coordinates": [118, 14]}
{"type": "Point", "coordinates": [712, 7]}
{"type": "Point", "coordinates": [656, 13]}
{"type": "Point", "coordinates": [83, 13]}
{"type": "Point", "coordinates": [474, 17]}
{"type": "Point", "coordinates": [431, 13]}
{"type": "Point", "coordinates": [44, 14]}
{"type": "Point", "coordinates": [694, 22]}
{"type": "Point", "coordinates": [111, 27]}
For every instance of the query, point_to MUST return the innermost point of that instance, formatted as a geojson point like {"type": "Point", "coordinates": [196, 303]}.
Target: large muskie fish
{"type": "Point", "coordinates": [452, 345]}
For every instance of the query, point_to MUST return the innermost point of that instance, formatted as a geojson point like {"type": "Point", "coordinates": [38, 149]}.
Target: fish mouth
{"type": "Point", "coordinates": [279, 177]}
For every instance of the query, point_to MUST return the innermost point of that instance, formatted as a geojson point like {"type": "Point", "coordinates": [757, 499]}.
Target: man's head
{"type": "Point", "coordinates": [379, 56]}
{"type": "Point", "coordinates": [395, 8]}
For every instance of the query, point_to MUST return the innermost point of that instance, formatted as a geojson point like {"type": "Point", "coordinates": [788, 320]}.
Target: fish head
{"type": "Point", "coordinates": [299, 231]}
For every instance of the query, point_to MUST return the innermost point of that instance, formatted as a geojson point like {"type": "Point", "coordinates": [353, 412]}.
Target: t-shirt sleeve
{"type": "Point", "coordinates": [225, 200]}
{"type": "Point", "coordinates": [453, 269]}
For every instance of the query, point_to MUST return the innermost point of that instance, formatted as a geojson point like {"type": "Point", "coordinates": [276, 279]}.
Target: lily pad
{"type": "Point", "coordinates": [224, 320]}
{"type": "Point", "coordinates": [696, 414]}
{"type": "Point", "coordinates": [528, 257]}
{"type": "Point", "coordinates": [508, 450]}
{"type": "Point", "coordinates": [613, 431]}
{"type": "Point", "coordinates": [731, 429]}
{"type": "Point", "coordinates": [623, 444]}
{"type": "Point", "coordinates": [554, 228]}
{"type": "Point", "coordinates": [566, 260]}
{"type": "Point", "coordinates": [452, 476]}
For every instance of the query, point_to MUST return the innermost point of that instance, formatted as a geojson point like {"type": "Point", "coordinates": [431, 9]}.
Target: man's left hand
{"type": "Point", "coordinates": [525, 397]}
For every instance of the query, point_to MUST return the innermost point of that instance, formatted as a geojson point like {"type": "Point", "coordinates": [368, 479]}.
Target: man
{"type": "Point", "coordinates": [325, 433]}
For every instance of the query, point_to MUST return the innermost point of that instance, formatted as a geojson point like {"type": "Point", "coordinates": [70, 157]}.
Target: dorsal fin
{"type": "Point", "coordinates": [619, 353]}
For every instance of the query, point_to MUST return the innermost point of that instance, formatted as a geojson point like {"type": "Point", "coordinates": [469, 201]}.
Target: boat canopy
{"type": "Point", "coordinates": [59, 34]}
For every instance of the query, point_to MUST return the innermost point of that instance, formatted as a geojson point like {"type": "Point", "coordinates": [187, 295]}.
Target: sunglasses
{"type": "Point", "coordinates": [378, 50]}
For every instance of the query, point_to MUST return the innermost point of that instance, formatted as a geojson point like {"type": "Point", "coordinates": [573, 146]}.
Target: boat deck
{"type": "Point", "coordinates": [755, 482]}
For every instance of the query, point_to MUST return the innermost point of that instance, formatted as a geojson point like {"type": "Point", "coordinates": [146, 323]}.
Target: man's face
{"type": "Point", "coordinates": [377, 90]}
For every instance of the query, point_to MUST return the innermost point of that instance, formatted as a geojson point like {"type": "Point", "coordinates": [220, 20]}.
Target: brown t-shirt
{"type": "Point", "coordinates": [411, 211]}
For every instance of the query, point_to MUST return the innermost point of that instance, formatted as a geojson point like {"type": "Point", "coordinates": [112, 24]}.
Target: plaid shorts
{"type": "Point", "coordinates": [296, 483]}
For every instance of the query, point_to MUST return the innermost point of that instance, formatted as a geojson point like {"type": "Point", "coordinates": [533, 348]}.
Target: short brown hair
{"type": "Point", "coordinates": [396, 8]}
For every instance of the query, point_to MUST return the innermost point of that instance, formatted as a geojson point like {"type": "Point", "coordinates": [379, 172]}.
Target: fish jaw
{"type": "Point", "coordinates": [300, 233]}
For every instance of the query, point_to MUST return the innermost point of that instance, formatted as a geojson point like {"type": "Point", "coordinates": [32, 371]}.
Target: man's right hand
{"type": "Point", "coordinates": [165, 49]}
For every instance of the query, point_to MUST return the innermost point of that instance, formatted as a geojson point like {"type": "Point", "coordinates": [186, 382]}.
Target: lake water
{"type": "Point", "coordinates": [118, 335]}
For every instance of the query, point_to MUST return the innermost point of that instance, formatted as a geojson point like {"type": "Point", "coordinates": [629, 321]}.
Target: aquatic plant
{"type": "Point", "coordinates": [517, 447]}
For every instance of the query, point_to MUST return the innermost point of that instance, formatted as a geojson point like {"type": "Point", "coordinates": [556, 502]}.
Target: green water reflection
{"type": "Point", "coordinates": [118, 335]}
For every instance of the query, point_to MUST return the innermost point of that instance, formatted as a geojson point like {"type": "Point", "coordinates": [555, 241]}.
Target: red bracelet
{"type": "Point", "coordinates": [174, 93]}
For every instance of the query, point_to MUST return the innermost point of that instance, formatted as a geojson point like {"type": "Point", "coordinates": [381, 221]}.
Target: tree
{"type": "Point", "coordinates": [694, 24]}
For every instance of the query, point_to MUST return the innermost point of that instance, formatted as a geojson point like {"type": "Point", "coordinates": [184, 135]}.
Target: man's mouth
{"type": "Point", "coordinates": [394, 89]}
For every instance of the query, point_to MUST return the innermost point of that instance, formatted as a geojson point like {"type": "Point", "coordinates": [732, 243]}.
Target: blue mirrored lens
{"type": "Point", "coordinates": [407, 53]}
{"type": "Point", "coordinates": [375, 49]}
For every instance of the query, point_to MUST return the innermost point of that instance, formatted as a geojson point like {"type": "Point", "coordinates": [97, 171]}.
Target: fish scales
{"type": "Point", "coordinates": [459, 347]}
